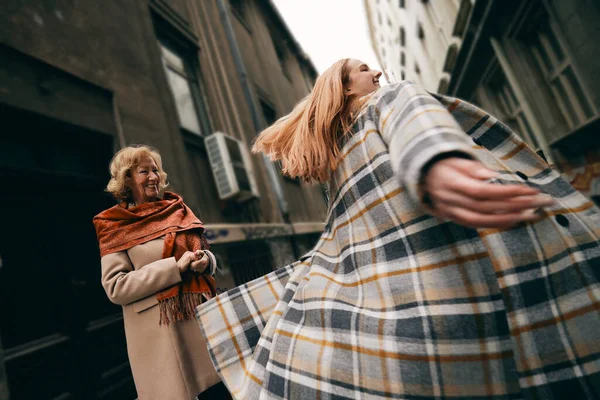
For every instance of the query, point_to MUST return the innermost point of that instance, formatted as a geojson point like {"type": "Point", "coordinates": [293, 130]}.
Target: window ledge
{"type": "Point", "coordinates": [566, 135]}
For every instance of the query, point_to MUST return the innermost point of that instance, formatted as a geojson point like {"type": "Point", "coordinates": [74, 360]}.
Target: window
{"type": "Point", "coordinates": [184, 87]}
{"type": "Point", "coordinates": [238, 8]}
{"type": "Point", "coordinates": [557, 69]}
{"type": "Point", "coordinates": [281, 53]}
{"type": "Point", "coordinates": [270, 116]}
{"type": "Point", "coordinates": [379, 18]}
{"type": "Point", "coordinates": [451, 56]}
{"type": "Point", "coordinates": [268, 112]}
{"type": "Point", "coordinates": [249, 260]}
{"type": "Point", "coordinates": [389, 21]}
{"type": "Point", "coordinates": [443, 86]}
{"type": "Point", "coordinates": [402, 4]}
{"type": "Point", "coordinates": [420, 31]}
{"type": "Point", "coordinates": [402, 59]}
{"type": "Point", "coordinates": [464, 11]}
{"type": "Point", "coordinates": [503, 97]}
{"type": "Point", "coordinates": [402, 75]}
{"type": "Point", "coordinates": [402, 37]}
{"type": "Point", "coordinates": [417, 69]}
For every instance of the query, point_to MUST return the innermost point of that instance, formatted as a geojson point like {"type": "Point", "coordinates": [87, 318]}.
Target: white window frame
{"type": "Point", "coordinates": [183, 72]}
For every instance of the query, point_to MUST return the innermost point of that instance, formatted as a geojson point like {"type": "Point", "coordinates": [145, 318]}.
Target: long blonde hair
{"type": "Point", "coordinates": [306, 140]}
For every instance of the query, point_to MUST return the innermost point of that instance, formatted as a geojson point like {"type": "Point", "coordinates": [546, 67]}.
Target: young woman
{"type": "Point", "coordinates": [455, 263]}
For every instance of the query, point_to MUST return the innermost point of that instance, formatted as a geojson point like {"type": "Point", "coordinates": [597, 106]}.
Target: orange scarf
{"type": "Point", "coordinates": [120, 228]}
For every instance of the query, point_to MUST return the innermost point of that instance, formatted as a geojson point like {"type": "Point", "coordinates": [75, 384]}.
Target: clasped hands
{"type": "Point", "coordinates": [457, 192]}
{"type": "Point", "coordinates": [195, 261]}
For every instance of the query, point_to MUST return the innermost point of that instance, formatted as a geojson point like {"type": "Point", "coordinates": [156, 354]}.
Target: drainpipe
{"type": "Point", "coordinates": [256, 121]}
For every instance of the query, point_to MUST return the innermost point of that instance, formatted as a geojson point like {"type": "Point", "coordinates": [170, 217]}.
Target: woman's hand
{"type": "Point", "coordinates": [201, 262]}
{"type": "Point", "coordinates": [185, 261]}
{"type": "Point", "coordinates": [458, 193]}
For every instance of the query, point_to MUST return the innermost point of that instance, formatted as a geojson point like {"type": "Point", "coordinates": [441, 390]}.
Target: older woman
{"type": "Point", "coordinates": [156, 264]}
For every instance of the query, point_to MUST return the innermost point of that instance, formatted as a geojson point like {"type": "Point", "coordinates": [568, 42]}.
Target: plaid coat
{"type": "Point", "coordinates": [395, 303]}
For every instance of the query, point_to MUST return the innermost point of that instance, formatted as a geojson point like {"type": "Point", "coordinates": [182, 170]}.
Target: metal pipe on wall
{"type": "Point", "coordinates": [256, 120]}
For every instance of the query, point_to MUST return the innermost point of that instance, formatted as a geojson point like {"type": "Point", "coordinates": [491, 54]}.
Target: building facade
{"type": "Point", "coordinates": [418, 39]}
{"type": "Point", "coordinates": [79, 80]}
{"type": "Point", "coordinates": [535, 65]}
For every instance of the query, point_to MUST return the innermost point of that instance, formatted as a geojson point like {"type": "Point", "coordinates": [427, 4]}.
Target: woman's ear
{"type": "Point", "coordinates": [347, 91]}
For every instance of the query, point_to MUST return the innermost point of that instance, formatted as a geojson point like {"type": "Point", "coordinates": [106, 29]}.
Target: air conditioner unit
{"type": "Point", "coordinates": [231, 166]}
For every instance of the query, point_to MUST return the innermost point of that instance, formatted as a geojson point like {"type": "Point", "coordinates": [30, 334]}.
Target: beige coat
{"type": "Point", "coordinates": [167, 361]}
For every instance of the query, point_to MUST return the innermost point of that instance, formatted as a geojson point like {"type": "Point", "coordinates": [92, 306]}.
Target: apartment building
{"type": "Point", "coordinates": [418, 39]}
{"type": "Point", "coordinates": [79, 80]}
{"type": "Point", "coordinates": [535, 65]}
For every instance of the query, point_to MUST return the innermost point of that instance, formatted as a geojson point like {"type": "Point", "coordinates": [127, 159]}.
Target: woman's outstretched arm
{"type": "Point", "coordinates": [433, 158]}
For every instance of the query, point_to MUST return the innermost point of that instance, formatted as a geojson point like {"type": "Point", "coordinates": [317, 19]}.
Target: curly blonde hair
{"type": "Point", "coordinates": [123, 163]}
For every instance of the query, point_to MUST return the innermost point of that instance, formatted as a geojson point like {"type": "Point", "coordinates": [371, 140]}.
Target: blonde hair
{"type": "Point", "coordinates": [123, 163]}
{"type": "Point", "coordinates": [306, 140]}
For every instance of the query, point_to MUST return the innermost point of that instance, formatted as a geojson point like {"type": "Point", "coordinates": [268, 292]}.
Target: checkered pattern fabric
{"type": "Point", "coordinates": [395, 303]}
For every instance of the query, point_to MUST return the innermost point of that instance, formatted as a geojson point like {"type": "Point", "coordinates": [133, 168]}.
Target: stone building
{"type": "Point", "coordinates": [78, 80]}
{"type": "Point", "coordinates": [418, 39]}
{"type": "Point", "coordinates": [535, 65]}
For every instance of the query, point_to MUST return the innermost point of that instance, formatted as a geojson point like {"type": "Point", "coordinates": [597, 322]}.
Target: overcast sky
{"type": "Point", "coordinates": [329, 30]}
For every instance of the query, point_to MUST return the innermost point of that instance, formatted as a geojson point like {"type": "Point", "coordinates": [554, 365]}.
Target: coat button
{"type": "Point", "coordinates": [477, 142]}
{"type": "Point", "coordinates": [562, 220]}
{"type": "Point", "coordinates": [522, 175]}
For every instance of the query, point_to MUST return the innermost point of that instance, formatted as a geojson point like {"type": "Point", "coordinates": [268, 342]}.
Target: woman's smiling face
{"type": "Point", "coordinates": [362, 80]}
{"type": "Point", "coordinates": [144, 181]}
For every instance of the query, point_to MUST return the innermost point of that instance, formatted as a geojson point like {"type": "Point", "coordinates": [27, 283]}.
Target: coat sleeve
{"type": "Point", "coordinates": [417, 130]}
{"type": "Point", "coordinates": [124, 285]}
{"type": "Point", "coordinates": [212, 262]}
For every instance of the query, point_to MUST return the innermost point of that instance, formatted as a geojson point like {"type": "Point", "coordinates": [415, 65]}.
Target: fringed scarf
{"type": "Point", "coordinates": [120, 228]}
